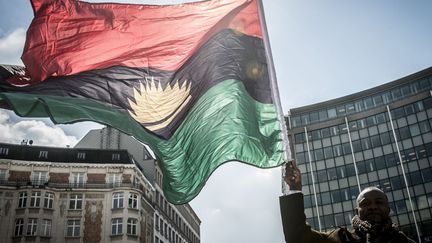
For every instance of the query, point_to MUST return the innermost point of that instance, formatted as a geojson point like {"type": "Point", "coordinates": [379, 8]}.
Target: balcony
{"type": "Point", "coordinates": [43, 184]}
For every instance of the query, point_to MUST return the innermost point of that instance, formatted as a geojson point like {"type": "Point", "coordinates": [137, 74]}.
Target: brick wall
{"type": "Point", "coordinates": [19, 175]}
{"type": "Point", "coordinates": [127, 178]}
{"type": "Point", "coordinates": [59, 177]}
{"type": "Point", "coordinates": [96, 178]}
{"type": "Point", "coordinates": [93, 221]}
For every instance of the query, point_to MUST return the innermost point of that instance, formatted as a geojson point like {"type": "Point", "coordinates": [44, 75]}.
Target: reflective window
{"type": "Point", "coordinates": [117, 226]}
{"type": "Point", "coordinates": [73, 228]}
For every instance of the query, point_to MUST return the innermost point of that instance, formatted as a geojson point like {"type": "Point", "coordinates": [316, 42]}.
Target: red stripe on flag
{"type": "Point", "coordinates": [68, 37]}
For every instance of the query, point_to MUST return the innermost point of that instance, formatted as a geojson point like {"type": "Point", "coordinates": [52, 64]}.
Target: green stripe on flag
{"type": "Point", "coordinates": [225, 124]}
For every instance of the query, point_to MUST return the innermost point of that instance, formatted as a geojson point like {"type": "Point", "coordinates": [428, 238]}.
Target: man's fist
{"type": "Point", "coordinates": [292, 176]}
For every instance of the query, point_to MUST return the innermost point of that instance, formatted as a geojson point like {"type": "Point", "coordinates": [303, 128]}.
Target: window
{"type": "Point", "coordinates": [132, 226]}
{"type": "Point", "coordinates": [78, 179]}
{"type": "Point", "coordinates": [3, 175]}
{"type": "Point", "coordinates": [32, 227]}
{"type": "Point", "coordinates": [114, 179]}
{"type": "Point", "coordinates": [115, 157]}
{"type": "Point", "coordinates": [331, 113]}
{"type": "Point", "coordinates": [75, 201]}
{"type": "Point", "coordinates": [117, 226]}
{"type": "Point", "coordinates": [35, 199]}
{"type": "Point", "coordinates": [73, 228]}
{"type": "Point", "coordinates": [117, 200]}
{"type": "Point", "coordinates": [133, 200]}
{"type": "Point", "coordinates": [4, 151]}
{"type": "Point", "coordinates": [43, 154]}
{"type": "Point", "coordinates": [48, 200]}
{"type": "Point", "coordinates": [81, 155]}
{"type": "Point", "coordinates": [39, 177]}
{"type": "Point", "coordinates": [46, 227]}
{"type": "Point", "coordinates": [22, 200]}
{"type": "Point", "coordinates": [19, 227]}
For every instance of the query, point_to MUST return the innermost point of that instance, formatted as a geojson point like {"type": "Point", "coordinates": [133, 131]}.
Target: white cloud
{"type": "Point", "coordinates": [240, 203]}
{"type": "Point", "coordinates": [11, 47]}
{"type": "Point", "coordinates": [38, 131]}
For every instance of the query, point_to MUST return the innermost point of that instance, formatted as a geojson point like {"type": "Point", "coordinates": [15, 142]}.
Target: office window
{"type": "Point", "coordinates": [337, 150]}
{"type": "Point", "coordinates": [314, 117]}
{"type": "Point", "coordinates": [46, 227]}
{"type": "Point", "coordinates": [325, 198]}
{"type": "Point", "coordinates": [32, 227]}
{"type": "Point", "coordinates": [19, 227]}
{"type": "Point", "coordinates": [401, 206]}
{"type": "Point", "coordinates": [133, 200]}
{"type": "Point", "coordinates": [323, 115]}
{"type": "Point", "coordinates": [356, 146]}
{"type": "Point", "coordinates": [368, 103]}
{"type": "Point", "coordinates": [328, 152]}
{"type": "Point", "coordinates": [22, 200]}
{"type": "Point", "coordinates": [295, 121]}
{"type": "Point", "coordinates": [117, 201]}
{"type": "Point", "coordinates": [305, 119]}
{"type": "Point", "coordinates": [424, 126]}
{"type": "Point", "coordinates": [39, 177]}
{"type": "Point", "coordinates": [385, 138]}
{"type": "Point", "coordinates": [75, 201]}
{"type": "Point", "coordinates": [78, 179]}
{"type": "Point", "coordinates": [114, 179]}
{"type": "Point", "coordinates": [375, 140]}
{"type": "Point", "coordinates": [132, 226]}
{"type": "Point", "coordinates": [35, 199]}
{"type": "Point", "coordinates": [117, 226]}
{"type": "Point", "coordinates": [341, 172]}
{"type": "Point", "coordinates": [331, 113]}
{"type": "Point", "coordinates": [73, 228]}
{"type": "Point", "coordinates": [319, 154]}
{"type": "Point", "coordinates": [48, 200]}
{"type": "Point", "coordinates": [403, 133]}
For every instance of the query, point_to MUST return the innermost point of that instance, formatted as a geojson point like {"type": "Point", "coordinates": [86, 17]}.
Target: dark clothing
{"type": "Point", "coordinates": [297, 231]}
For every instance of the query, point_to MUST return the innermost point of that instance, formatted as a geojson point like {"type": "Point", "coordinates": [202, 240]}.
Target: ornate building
{"type": "Point", "coordinates": [52, 194]}
{"type": "Point", "coordinates": [172, 223]}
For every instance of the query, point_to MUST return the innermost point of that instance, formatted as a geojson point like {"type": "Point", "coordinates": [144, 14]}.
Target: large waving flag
{"type": "Point", "coordinates": [193, 81]}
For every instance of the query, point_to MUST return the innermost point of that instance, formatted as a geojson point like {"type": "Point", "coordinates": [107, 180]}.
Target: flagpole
{"type": "Point", "coordinates": [273, 81]}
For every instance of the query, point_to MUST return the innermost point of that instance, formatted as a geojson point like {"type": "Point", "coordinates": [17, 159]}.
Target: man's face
{"type": "Point", "coordinates": [373, 206]}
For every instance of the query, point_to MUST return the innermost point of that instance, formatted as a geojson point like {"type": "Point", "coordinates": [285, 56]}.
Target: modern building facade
{"type": "Point", "coordinates": [66, 195]}
{"type": "Point", "coordinates": [173, 223]}
{"type": "Point", "coordinates": [378, 137]}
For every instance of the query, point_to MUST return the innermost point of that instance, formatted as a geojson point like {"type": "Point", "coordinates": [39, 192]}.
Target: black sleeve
{"type": "Point", "coordinates": [294, 221]}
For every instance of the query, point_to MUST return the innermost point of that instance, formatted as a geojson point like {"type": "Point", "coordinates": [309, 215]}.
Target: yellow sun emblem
{"type": "Point", "coordinates": [155, 107]}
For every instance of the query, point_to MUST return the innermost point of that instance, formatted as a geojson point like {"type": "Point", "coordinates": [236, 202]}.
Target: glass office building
{"type": "Point", "coordinates": [378, 137]}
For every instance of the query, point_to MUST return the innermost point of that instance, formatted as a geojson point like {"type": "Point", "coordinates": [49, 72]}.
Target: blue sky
{"type": "Point", "coordinates": [321, 50]}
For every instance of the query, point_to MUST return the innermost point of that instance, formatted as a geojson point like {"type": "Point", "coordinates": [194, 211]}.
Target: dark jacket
{"type": "Point", "coordinates": [297, 231]}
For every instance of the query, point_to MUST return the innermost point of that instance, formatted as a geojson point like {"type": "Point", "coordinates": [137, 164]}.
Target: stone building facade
{"type": "Point", "coordinates": [73, 195]}
{"type": "Point", "coordinates": [172, 223]}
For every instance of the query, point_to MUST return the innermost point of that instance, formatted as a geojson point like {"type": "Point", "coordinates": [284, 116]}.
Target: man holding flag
{"type": "Point", "coordinates": [371, 224]}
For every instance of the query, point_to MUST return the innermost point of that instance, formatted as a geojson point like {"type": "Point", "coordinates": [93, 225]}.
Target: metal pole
{"type": "Point", "coordinates": [352, 153]}
{"type": "Point", "coordinates": [313, 180]}
{"type": "Point", "coordinates": [273, 80]}
{"type": "Point", "coordinates": [403, 173]}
